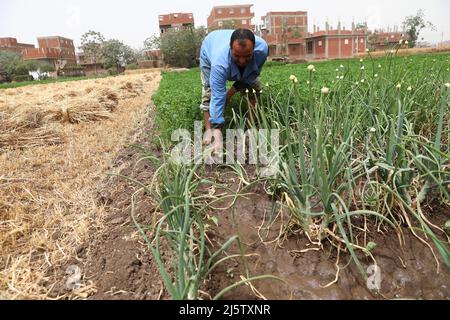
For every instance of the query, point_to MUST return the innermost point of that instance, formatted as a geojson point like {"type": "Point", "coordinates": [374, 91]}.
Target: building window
{"type": "Point", "coordinates": [219, 11]}
{"type": "Point", "coordinates": [243, 10]}
{"type": "Point", "coordinates": [346, 41]}
{"type": "Point", "coordinates": [220, 23]}
{"type": "Point", "coordinates": [244, 21]}
{"type": "Point", "coordinates": [231, 11]}
{"type": "Point", "coordinates": [320, 43]}
{"type": "Point", "coordinates": [175, 15]}
{"type": "Point", "coordinates": [362, 41]}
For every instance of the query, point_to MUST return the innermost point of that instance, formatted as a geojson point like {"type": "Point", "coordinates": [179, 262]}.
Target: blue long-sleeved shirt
{"type": "Point", "coordinates": [216, 61]}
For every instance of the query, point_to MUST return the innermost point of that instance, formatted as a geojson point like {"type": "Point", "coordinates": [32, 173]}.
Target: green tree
{"type": "Point", "coordinates": [414, 24]}
{"type": "Point", "coordinates": [91, 44]}
{"type": "Point", "coordinates": [152, 43]}
{"type": "Point", "coordinates": [181, 48]}
{"type": "Point", "coordinates": [373, 40]}
{"type": "Point", "coordinates": [25, 66]}
{"type": "Point", "coordinates": [8, 62]}
{"type": "Point", "coordinates": [16, 68]}
{"type": "Point", "coordinates": [362, 26]}
{"type": "Point", "coordinates": [42, 68]}
{"type": "Point", "coordinates": [116, 54]}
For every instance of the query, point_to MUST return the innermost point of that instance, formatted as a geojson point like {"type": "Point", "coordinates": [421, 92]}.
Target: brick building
{"type": "Point", "coordinates": [89, 66]}
{"type": "Point", "coordinates": [154, 59]}
{"type": "Point", "coordinates": [285, 33]}
{"type": "Point", "coordinates": [335, 43]}
{"type": "Point", "coordinates": [236, 16]}
{"type": "Point", "coordinates": [11, 44]}
{"type": "Point", "coordinates": [175, 20]}
{"type": "Point", "coordinates": [57, 51]}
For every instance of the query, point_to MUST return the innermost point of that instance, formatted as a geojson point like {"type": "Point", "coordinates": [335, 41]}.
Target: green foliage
{"type": "Point", "coordinates": [91, 44]}
{"type": "Point", "coordinates": [45, 81]}
{"type": "Point", "coordinates": [132, 66]}
{"type": "Point", "coordinates": [21, 78]}
{"type": "Point", "coordinates": [180, 48]}
{"type": "Point", "coordinates": [152, 43]}
{"type": "Point", "coordinates": [72, 68]}
{"type": "Point", "coordinates": [414, 24]}
{"type": "Point", "coordinates": [9, 62]}
{"type": "Point", "coordinates": [14, 65]}
{"type": "Point", "coordinates": [116, 54]}
{"type": "Point", "coordinates": [362, 26]}
{"type": "Point", "coordinates": [18, 70]}
{"type": "Point", "coordinates": [177, 101]}
{"type": "Point", "coordinates": [372, 41]}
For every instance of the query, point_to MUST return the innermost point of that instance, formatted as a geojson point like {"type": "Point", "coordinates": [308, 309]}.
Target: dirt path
{"type": "Point", "coordinates": [115, 261]}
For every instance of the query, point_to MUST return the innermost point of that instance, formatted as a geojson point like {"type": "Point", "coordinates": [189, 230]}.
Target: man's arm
{"type": "Point", "coordinates": [218, 82]}
{"type": "Point", "coordinates": [214, 118]}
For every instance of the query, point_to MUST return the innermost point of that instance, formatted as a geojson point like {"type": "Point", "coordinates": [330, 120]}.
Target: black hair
{"type": "Point", "coordinates": [241, 35]}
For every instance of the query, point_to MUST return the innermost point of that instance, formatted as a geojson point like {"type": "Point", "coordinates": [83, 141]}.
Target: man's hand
{"type": "Point", "coordinates": [214, 138]}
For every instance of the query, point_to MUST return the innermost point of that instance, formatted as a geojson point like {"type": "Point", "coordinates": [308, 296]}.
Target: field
{"type": "Point", "coordinates": [361, 192]}
{"type": "Point", "coordinates": [363, 179]}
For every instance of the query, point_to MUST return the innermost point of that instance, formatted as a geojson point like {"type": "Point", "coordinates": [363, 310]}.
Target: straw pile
{"type": "Point", "coordinates": [51, 172]}
{"type": "Point", "coordinates": [27, 130]}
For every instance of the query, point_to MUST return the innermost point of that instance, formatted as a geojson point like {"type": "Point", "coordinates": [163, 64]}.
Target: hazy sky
{"type": "Point", "coordinates": [132, 21]}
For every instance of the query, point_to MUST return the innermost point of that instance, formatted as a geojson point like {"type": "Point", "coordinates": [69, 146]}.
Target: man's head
{"type": "Point", "coordinates": [242, 44]}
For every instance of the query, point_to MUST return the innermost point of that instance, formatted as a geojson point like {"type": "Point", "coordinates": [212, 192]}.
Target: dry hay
{"type": "Point", "coordinates": [149, 71]}
{"type": "Point", "coordinates": [58, 97]}
{"type": "Point", "coordinates": [27, 130]}
{"type": "Point", "coordinates": [82, 112]}
{"type": "Point", "coordinates": [131, 89]}
{"type": "Point", "coordinates": [48, 194]}
{"type": "Point", "coordinates": [109, 99]}
{"type": "Point", "coordinates": [91, 101]}
{"type": "Point", "coordinates": [91, 108]}
{"type": "Point", "coordinates": [72, 94]}
{"type": "Point", "coordinates": [97, 105]}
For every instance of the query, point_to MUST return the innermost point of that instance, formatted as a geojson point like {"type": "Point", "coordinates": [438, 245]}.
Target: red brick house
{"type": "Point", "coordinates": [239, 16]}
{"type": "Point", "coordinates": [285, 33]}
{"type": "Point", "coordinates": [154, 59]}
{"type": "Point", "coordinates": [89, 66]}
{"type": "Point", "coordinates": [175, 20]}
{"type": "Point", "coordinates": [57, 51]}
{"type": "Point", "coordinates": [335, 43]}
{"type": "Point", "coordinates": [11, 44]}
